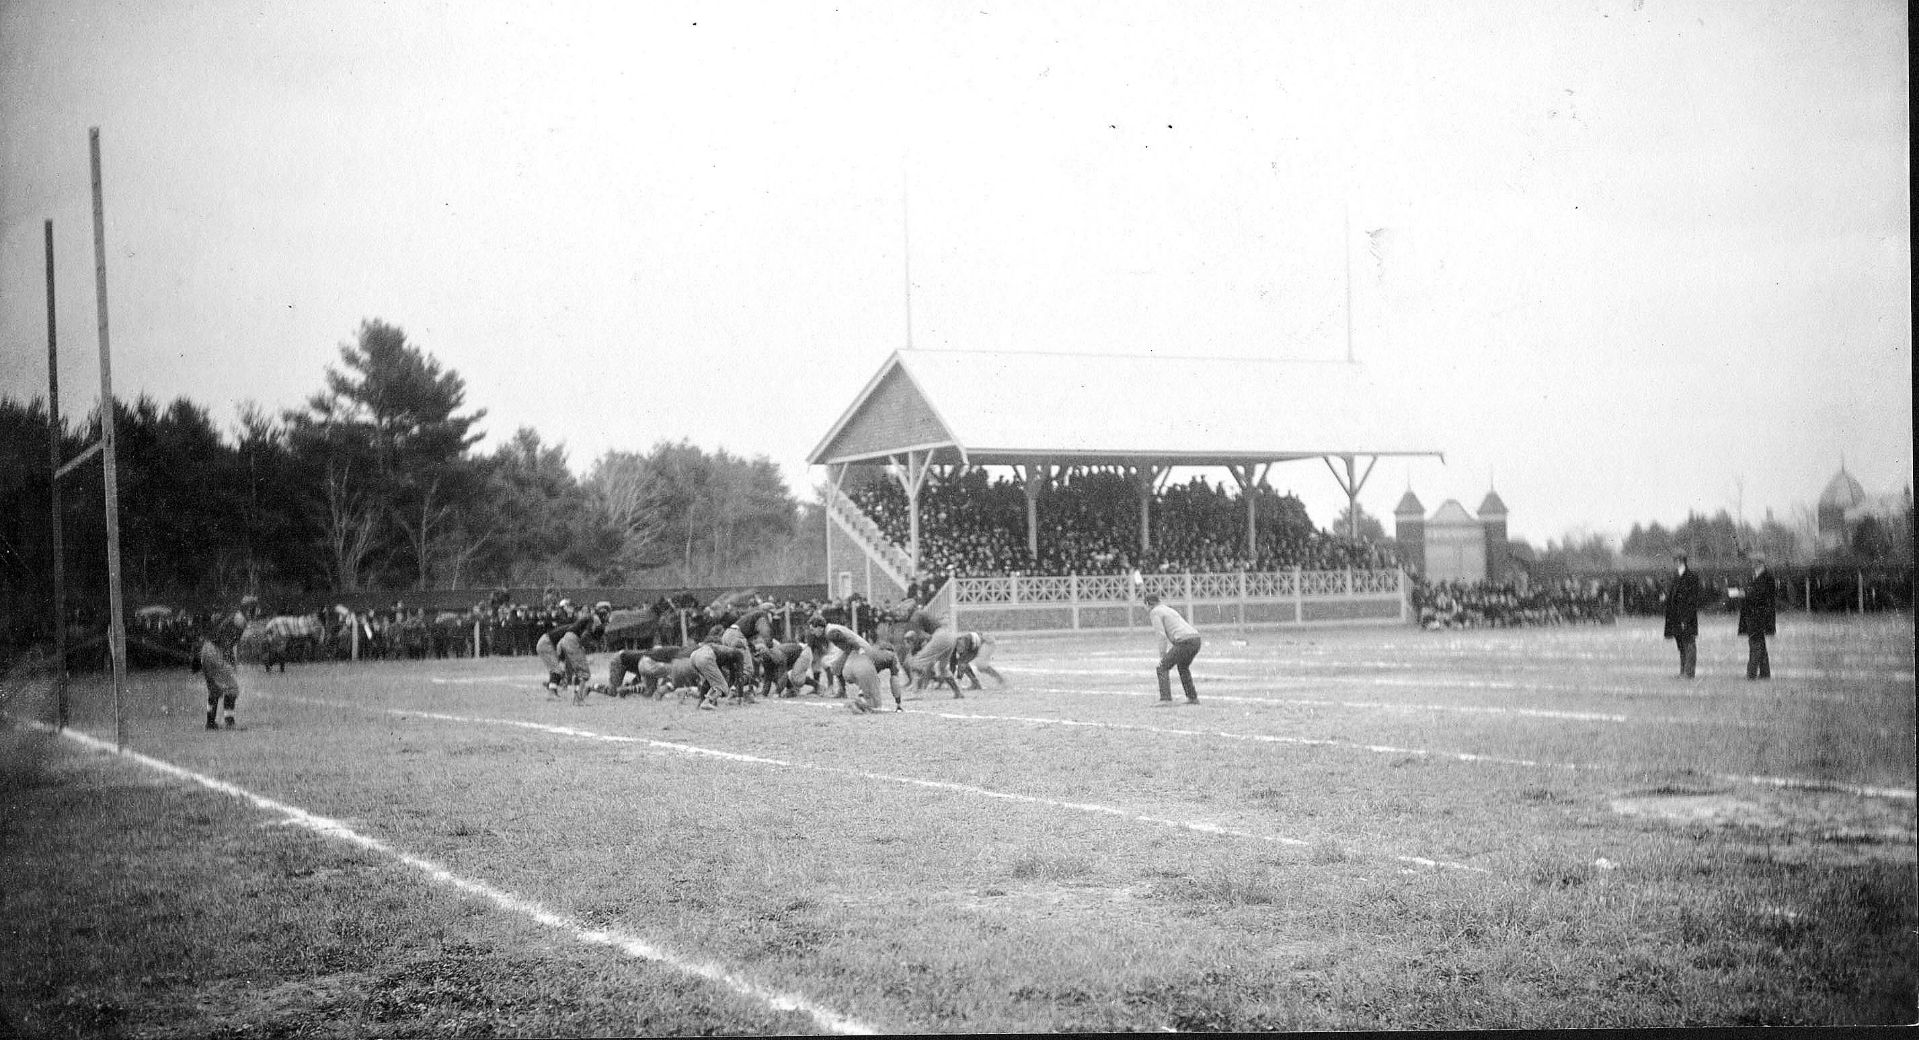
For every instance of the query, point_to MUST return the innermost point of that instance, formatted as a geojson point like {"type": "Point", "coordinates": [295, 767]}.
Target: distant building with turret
{"type": "Point", "coordinates": [1842, 495]}
{"type": "Point", "coordinates": [1409, 530]}
{"type": "Point", "coordinates": [1844, 505]}
{"type": "Point", "coordinates": [1452, 544]}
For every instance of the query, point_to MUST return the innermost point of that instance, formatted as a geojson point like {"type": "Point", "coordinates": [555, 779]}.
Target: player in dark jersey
{"type": "Point", "coordinates": [751, 631]}
{"type": "Point", "coordinates": [972, 654]}
{"type": "Point", "coordinates": [216, 666]}
{"type": "Point", "coordinates": [564, 653]}
{"type": "Point", "coordinates": [647, 667]}
{"type": "Point", "coordinates": [785, 668]}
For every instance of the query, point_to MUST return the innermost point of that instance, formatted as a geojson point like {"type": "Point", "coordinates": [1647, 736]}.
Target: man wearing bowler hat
{"type": "Point", "coordinates": [1758, 618]}
{"type": "Point", "coordinates": [1682, 614]}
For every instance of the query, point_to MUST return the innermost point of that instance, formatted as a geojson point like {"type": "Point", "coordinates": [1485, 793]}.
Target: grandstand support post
{"type": "Point", "coordinates": [1033, 477]}
{"type": "Point", "coordinates": [1250, 476]}
{"type": "Point", "coordinates": [1351, 485]}
{"type": "Point", "coordinates": [912, 477]}
{"type": "Point", "coordinates": [835, 475]}
{"type": "Point", "coordinates": [53, 494]}
{"type": "Point", "coordinates": [1146, 477]}
{"type": "Point", "coordinates": [116, 622]}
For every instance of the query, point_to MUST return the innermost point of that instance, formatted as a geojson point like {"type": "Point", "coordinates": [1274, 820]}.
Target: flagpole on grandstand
{"type": "Point", "coordinates": [1347, 225]}
{"type": "Point", "coordinates": [53, 489]}
{"type": "Point", "coordinates": [116, 623]}
{"type": "Point", "coordinates": [906, 255]}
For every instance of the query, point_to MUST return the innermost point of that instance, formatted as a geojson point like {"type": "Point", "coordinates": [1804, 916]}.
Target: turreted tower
{"type": "Point", "coordinates": [1409, 530]}
{"type": "Point", "coordinates": [1492, 519]}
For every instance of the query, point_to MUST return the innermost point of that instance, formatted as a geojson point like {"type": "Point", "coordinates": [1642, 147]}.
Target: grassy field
{"type": "Point", "coordinates": [1356, 829]}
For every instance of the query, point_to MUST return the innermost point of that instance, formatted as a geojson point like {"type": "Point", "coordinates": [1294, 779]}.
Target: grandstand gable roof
{"type": "Point", "coordinates": [1000, 408]}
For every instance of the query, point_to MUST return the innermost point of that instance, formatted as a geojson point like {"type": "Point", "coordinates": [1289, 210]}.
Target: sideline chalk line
{"type": "Point", "coordinates": [1262, 738]}
{"type": "Point", "coordinates": [1801, 783]}
{"type": "Point", "coordinates": [1863, 790]}
{"type": "Point", "coordinates": [1516, 686]}
{"type": "Point", "coordinates": [1196, 826]}
{"type": "Point", "coordinates": [632, 946]}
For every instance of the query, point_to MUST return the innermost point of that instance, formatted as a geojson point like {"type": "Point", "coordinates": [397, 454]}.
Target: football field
{"type": "Point", "coordinates": [1376, 828]}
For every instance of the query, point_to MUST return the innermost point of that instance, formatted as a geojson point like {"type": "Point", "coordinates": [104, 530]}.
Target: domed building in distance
{"type": "Point", "coordinates": [1843, 494]}
{"type": "Point", "coordinates": [1844, 504]}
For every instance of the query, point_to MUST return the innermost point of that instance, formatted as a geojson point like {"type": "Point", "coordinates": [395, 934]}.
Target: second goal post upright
{"type": "Point", "coordinates": [116, 619]}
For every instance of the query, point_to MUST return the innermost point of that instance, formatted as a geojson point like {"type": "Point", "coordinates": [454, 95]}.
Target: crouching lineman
{"type": "Point", "coordinates": [972, 654]}
{"type": "Point", "coordinates": [719, 666]}
{"type": "Point", "coordinates": [863, 668]}
{"type": "Point", "coordinates": [647, 667]}
{"type": "Point", "coordinates": [935, 656]}
{"type": "Point", "coordinates": [833, 645]}
{"type": "Point", "coordinates": [216, 667]}
{"type": "Point", "coordinates": [785, 668]}
{"type": "Point", "coordinates": [564, 655]}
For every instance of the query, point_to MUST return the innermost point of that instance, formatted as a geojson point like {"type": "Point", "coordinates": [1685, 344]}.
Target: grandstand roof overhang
{"type": "Point", "coordinates": [1004, 408]}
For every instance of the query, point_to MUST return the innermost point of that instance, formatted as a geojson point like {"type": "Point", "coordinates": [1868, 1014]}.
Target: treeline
{"type": "Point", "coordinates": [1720, 539]}
{"type": "Point", "coordinates": [374, 483]}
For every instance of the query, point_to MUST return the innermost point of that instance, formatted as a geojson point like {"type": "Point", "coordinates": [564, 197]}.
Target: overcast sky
{"type": "Point", "coordinates": [1630, 252]}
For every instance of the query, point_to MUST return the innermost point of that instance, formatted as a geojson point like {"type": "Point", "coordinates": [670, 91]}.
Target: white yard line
{"type": "Point", "coordinates": [1197, 826]}
{"type": "Point", "coordinates": [1470, 709]}
{"type": "Point", "coordinates": [1262, 738]}
{"type": "Point", "coordinates": [1577, 716]}
{"type": "Point", "coordinates": [1687, 692]}
{"type": "Point", "coordinates": [631, 945]}
{"type": "Point", "coordinates": [1802, 783]}
{"type": "Point", "coordinates": [1903, 793]}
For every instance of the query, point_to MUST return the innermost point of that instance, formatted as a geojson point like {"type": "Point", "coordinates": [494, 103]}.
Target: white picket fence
{"type": "Point", "coordinates": [1081, 602]}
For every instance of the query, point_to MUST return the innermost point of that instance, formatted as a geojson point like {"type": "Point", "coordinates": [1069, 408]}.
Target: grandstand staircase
{"type": "Point", "coordinates": [859, 529]}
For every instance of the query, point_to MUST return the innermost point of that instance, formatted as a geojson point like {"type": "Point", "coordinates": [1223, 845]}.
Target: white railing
{"type": "Point", "coordinates": [1072, 602]}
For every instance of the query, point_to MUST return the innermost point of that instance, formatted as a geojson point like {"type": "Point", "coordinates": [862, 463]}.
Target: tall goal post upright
{"type": "Point", "coordinates": [116, 621]}
{"type": "Point", "coordinates": [53, 488]}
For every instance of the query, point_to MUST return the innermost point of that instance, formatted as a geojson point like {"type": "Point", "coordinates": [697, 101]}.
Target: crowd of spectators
{"type": "Point", "coordinates": [503, 628]}
{"type": "Point", "coordinates": [1454, 604]}
{"type": "Point", "coordinates": [1088, 523]}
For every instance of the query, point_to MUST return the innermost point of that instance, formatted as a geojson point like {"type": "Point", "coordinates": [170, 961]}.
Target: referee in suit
{"type": "Point", "coordinates": [1758, 618]}
{"type": "Point", "coordinates": [1682, 614]}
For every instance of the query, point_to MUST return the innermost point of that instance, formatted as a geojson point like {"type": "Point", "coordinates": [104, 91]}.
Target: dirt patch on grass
{"type": "Point", "coordinates": [1794, 824]}
{"type": "Point", "coordinates": [1048, 900]}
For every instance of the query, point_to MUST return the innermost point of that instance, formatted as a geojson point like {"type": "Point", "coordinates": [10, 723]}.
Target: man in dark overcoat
{"type": "Point", "coordinates": [1682, 614]}
{"type": "Point", "coordinates": [1758, 618]}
